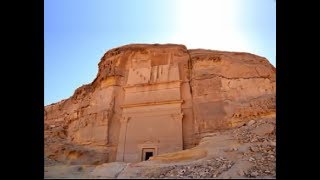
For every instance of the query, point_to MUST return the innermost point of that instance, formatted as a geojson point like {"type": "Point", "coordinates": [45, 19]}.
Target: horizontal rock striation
{"type": "Point", "coordinates": [210, 90]}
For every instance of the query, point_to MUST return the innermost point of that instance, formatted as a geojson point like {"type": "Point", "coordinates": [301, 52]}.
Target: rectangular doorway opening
{"type": "Point", "coordinates": [147, 153]}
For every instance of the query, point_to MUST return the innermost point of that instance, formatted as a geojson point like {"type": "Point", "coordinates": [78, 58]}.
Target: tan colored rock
{"type": "Point", "coordinates": [264, 129]}
{"type": "Point", "coordinates": [191, 163]}
{"type": "Point", "coordinates": [68, 172]}
{"type": "Point", "coordinates": [151, 99]}
{"type": "Point", "coordinates": [250, 123]}
{"type": "Point", "coordinates": [109, 170]}
{"type": "Point", "coordinates": [189, 154]}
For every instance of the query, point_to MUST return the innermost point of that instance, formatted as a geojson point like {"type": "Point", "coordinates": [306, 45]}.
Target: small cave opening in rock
{"type": "Point", "coordinates": [148, 155]}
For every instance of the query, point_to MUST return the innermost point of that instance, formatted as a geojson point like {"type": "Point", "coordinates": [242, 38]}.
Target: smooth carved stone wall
{"type": "Point", "coordinates": [161, 97]}
{"type": "Point", "coordinates": [153, 93]}
{"type": "Point", "coordinates": [151, 117]}
{"type": "Point", "coordinates": [161, 131]}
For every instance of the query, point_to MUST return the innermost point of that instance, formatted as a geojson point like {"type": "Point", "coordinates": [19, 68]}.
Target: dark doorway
{"type": "Point", "coordinates": [148, 155]}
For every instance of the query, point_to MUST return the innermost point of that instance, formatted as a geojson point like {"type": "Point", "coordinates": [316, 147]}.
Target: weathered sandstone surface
{"type": "Point", "coordinates": [248, 151]}
{"type": "Point", "coordinates": [162, 98]}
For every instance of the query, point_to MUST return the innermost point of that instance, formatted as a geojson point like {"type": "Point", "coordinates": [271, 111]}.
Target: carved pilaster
{"type": "Point", "coordinates": [178, 120]}
{"type": "Point", "coordinates": [122, 138]}
{"type": "Point", "coordinates": [177, 117]}
{"type": "Point", "coordinates": [125, 119]}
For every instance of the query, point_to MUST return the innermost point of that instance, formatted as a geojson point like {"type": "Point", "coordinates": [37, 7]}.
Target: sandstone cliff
{"type": "Point", "coordinates": [244, 152]}
{"type": "Point", "coordinates": [218, 90]}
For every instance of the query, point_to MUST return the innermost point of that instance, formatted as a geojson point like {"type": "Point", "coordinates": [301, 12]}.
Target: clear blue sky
{"type": "Point", "coordinates": [78, 32]}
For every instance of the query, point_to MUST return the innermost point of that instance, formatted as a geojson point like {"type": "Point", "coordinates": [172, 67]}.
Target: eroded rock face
{"type": "Point", "coordinates": [228, 88]}
{"type": "Point", "coordinates": [158, 97]}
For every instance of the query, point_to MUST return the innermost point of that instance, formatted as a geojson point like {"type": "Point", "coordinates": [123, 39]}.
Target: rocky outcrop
{"type": "Point", "coordinates": [228, 88]}
{"type": "Point", "coordinates": [218, 90]}
{"type": "Point", "coordinates": [248, 151]}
